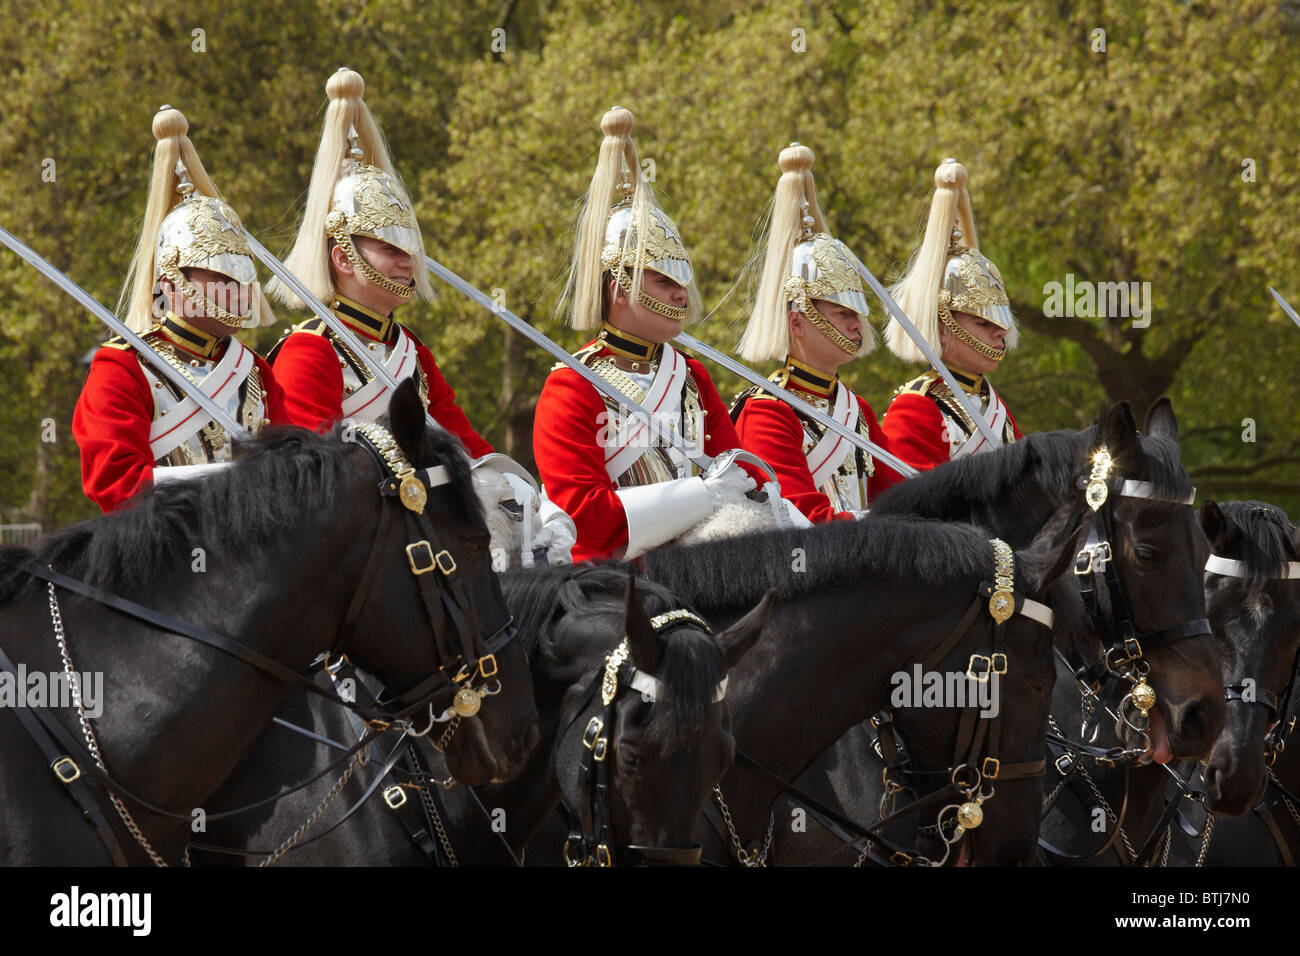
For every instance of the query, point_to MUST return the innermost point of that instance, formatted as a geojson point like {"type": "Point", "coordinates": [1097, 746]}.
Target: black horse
{"type": "Point", "coordinates": [1157, 551]}
{"type": "Point", "coordinates": [273, 551]}
{"type": "Point", "coordinates": [663, 756]}
{"type": "Point", "coordinates": [1252, 588]}
{"type": "Point", "coordinates": [1255, 610]}
{"type": "Point", "coordinates": [856, 604]}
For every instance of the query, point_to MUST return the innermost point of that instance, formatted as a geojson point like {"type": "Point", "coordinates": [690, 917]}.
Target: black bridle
{"type": "Point", "coordinates": [976, 764]}
{"type": "Point", "coordinates": [591, 834]}
{"type": "Point", "coordinates": [73, 765]}
{"type": "Point", "coordinates": [1124, 659]}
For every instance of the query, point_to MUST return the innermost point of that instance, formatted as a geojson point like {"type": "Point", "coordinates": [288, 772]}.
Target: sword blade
{"type": "Point", "coordinates": [957, 393]}
{"type": "Point", "coordinates": [795, 402]}
{"type": "Point", "coordinates": [542, 341]}
{"type": "Point", "coordinates": [219, 414]}
{"type": "Point", "coordinates": [1286, 307]}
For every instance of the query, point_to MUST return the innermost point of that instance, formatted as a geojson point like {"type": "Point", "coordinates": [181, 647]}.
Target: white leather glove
{"type": "Point", "coordinates": [185, 472]}
{"type": "Point", "coordinates": [727, 484]}
{"type": "Point", "coordinates": [558, 534]}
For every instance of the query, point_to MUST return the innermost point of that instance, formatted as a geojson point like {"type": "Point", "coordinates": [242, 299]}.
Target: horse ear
{"type": "Point", "coordinates": [407, 422]}
{"type": "Point", "coordinates": [642, 643]}
{"type": "Point", "coordinates": [1119, 433]}
{"type": "Point", "coordinates": [740, 637]}
{"type": "Point", "coordinates": [1044, 560]}
{"type": "Point", "coordinates": [1218, 527]}
{"type": "Point", "coordinates": [1160, 419]}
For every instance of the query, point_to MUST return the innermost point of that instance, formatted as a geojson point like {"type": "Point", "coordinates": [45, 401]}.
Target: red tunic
{"type": "Point", "coordinates": [309, 372]}
{"type": "Point", "coordinates": [772, 430]}
{"type": "Point", "coordinates": [112, 420]}
{"type": "Point", "coordinates": [914, 428]}
{"type": "Point", "coordinates": [571, 461]}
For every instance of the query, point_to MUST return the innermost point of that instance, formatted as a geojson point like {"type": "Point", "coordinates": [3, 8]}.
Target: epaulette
{"type": "Point", "coordinates": [314, 326]}
{"type": "Point", "coordinates": [919, 385]}
{"type": "Point", "coordinates": [117, 342]}
{"type": "Point", "coordinates": [582, 355]}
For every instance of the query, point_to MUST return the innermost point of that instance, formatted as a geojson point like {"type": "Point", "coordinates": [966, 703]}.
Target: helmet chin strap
{"type": "Point", "coordinates": [649, 301]}
{"type": "Point", "coordinates": [820, 323]}
{"type": "Point", "coordinates": [962, 334]}
{"type": "Point", "coordinates": [373, 275]}
{"type": "Point", "coordinates": [196, 298]}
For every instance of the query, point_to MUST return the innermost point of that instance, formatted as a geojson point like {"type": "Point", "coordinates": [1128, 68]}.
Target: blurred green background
{"type": "Point", "coordinates": [1170, 157]}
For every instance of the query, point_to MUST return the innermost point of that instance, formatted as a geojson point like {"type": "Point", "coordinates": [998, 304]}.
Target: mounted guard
{"type": "Point", "coordinates": [360, 250]}
{"type": "Point", "coordinates": [956, 298]}
{"type": "Point", "coordinates": [191, 285]}
{"type": "Point", "coordinates": [812, 315]}
{"type": "Point", "coordinates": [629, 484]}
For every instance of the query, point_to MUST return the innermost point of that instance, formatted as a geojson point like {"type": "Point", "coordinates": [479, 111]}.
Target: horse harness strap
{"type": "Point", "coordinates": [591, 836]}
{"type": "Point", "coordinates": [58, 746]}
{"type": "Point", "coordinates": [1001, 600]}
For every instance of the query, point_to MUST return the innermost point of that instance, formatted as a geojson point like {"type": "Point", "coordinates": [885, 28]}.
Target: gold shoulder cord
{"type": "Point", "coordinates": [1002, 603]}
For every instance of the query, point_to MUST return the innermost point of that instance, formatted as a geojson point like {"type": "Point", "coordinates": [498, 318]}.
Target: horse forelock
{"type": "Point", "coordinates": [1264, 545]}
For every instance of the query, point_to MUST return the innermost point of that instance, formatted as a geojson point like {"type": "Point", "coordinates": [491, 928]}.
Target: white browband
{"type": "Point", "coordinates": [653, 690]}
{"type": "Point", "coordinates": [1144, 489]}
{"type": "Point", "coordinates": [1236, 569]}
{"type": "Point", "coordinates": [1039, 612]}
{"type": "Point", "coordinates": [435, 476]}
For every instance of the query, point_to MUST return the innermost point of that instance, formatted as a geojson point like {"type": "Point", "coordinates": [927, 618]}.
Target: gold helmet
{"type": "Point", "coordinates": [187, 224]}
{"type": "Point", "coordinates": [354, 192]}
{"type": "Point", "coordinates": [949, 274]}
{"type": "Point", "coordinates": [802, 262]}
{"type": "Point", "coordinates": [623, 230]}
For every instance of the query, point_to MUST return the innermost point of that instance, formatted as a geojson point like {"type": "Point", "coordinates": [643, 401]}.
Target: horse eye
{"type": "Point", "coordinates": [1146, 554]}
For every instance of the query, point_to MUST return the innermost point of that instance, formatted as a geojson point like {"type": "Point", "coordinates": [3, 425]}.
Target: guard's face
{"type": "Point", "coordinates": [636, 319]}
{"type": "Point", "coordinates": [958, 353]}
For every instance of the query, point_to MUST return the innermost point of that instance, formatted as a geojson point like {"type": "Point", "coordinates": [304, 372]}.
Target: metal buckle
{"type": "Point", "coordinates": [602, 855]}
{"type": "Point", "coordinates": [485, 662]}
{"type": "Point", "coordinates": [570, 857]}
{"type": "Point", "coordinates": [899, 858]}
{"type": "Point", "coordinates": [982, 677]}
{"type": "Point", "coordinates": [448, 565]}
{"type": "Point", "coordinates": [598, 751]}
{"type": "Point", "coordinates": [410, 557]}
{"type": "Point", "coordinates": [1064, 763]}
{"type": "Point", "coordinates": [395, 797]}
{"type": "Point", "coordinates": [1096, 554]}
{"type": "Point", "coordinates": [991, 773]}
{"type": "Point", "coordinates": [333, 669]}
{"type": "Point", "coordinates": [590, 735]}
{"type": "Point", "coordinates": [66, 769]}
{"type": "Point", "coordinates": [994, 661]}
{"type": "Point", "coordinates": [1132, 648]}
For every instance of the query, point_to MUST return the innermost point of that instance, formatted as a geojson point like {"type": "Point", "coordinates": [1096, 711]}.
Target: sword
{"type": "Point", "coordinates": [1285, 306]}
{"type": "Point", "coordinates": [924, 346]}
{"type": "Point", "coordinates": [795, 402]}
{"type": "Point", "coordinates": [540, 340]}
{"type": "Point", "coordinates": [219, 415]}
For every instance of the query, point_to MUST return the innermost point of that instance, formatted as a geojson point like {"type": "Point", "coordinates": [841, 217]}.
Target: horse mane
{"type": "Point", "coordinates": [692, 662]}
{"type": "Point", "coordinates": [737, 572]}
{"type": "Point", "coordinates": [1013, 472]}
{"type": "Point", "coordinates": [260, 498]}
{"type": "Point", "coordinates": [1264, 544]}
